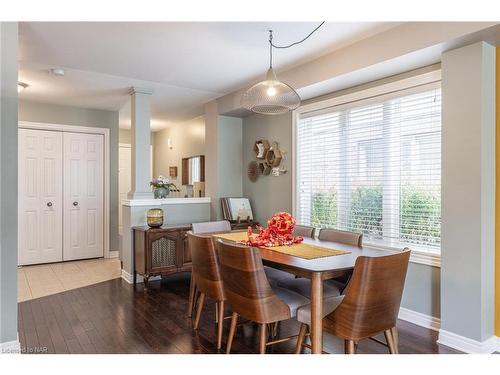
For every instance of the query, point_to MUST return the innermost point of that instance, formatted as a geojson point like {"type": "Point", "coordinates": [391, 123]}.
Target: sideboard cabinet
{"type": "Point", "coordinates": [161, 251]}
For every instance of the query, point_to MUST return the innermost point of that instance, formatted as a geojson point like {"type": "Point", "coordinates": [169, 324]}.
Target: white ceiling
{"type": "Point", "coordinates": [186, 64]}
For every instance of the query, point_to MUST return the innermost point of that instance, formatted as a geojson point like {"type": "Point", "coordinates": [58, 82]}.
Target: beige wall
{"type": "Point", "coordinates": [124, 136]}
{"type": "Point", "coordinates": [188, 139]}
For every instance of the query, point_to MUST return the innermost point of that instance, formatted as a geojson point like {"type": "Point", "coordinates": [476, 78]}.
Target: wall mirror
{"type": "Point", "coordinates": [193, 170]}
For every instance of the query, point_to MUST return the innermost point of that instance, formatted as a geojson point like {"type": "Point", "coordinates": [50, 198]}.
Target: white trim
{"type": "Point", "coordinates": [129, 278]}
{"type": "Point", "coordinates": [162, 202]}
{"type": "Point", "coordinates": [114, 254]}
{"type": "Point", "coordinates": [416, 256]}
{"type": "Point", "coordinates": [419, 319]}
{"type": "Point", "coordinates": [466, 344]}
{"type": "Point", "coordinates": [387, 88]}
{"type": "Point", "coordinates": [428, 259]}
{"type": "Point", "coordinates": [87, 130]}
{"type": "Point", "coordinates": [11, 347]}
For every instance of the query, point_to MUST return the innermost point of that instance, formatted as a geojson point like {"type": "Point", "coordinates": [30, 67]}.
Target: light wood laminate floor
{"type": "Point", "coordinates": [47, 279]}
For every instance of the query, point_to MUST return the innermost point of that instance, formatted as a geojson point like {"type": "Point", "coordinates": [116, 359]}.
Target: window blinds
{"type": "Point", "coordinates": [374, 167]}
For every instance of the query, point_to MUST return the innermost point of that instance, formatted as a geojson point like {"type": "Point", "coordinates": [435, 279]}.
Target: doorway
{"type": "Point", "coordinates": [63, 200]}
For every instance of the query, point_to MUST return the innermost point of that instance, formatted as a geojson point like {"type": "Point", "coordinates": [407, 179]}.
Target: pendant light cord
{"type": "Point", "coordinates": [295, 43]}
{"type": "Point", "coordinates": [271, 44]}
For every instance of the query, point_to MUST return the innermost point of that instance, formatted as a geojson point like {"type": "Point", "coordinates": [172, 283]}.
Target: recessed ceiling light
{"type": "Point", "coordinates": [57, 72]}
{"type": "Point", "coordinates": [21, 86]}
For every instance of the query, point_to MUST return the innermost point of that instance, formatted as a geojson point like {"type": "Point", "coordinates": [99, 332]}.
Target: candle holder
{"type": "Point", "coordinates": [155, 217]}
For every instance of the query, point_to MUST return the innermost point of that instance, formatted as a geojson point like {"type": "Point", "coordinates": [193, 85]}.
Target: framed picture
{"type": "Point", "coordinates": [172, 171]}
{"type": "Point", "coordinates": [239, 208]}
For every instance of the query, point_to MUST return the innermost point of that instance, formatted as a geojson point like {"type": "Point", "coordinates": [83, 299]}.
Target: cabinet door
{"type": "Point", "coordinates": [162, 256]}
{"type": "Point", "coordinates": [83, 196]}
{"type": "Point", "coordinates": [40, 196]}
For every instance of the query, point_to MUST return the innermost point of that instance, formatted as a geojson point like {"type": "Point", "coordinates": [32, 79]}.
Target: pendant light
{"type": "Point", "coordinates": [272, 96]}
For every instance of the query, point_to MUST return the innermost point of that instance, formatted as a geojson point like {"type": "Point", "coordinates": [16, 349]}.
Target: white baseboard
{"type": "Point", "coordinates": [129, 278]}
{"type": "Point", "coordinates": [419, 319]}
{"type": "Point", "coordinates": [114, 254]}
{"type": "Point", "coordinates": [467, 345]}
{"type": "Point", "coordinates": [10, 347]}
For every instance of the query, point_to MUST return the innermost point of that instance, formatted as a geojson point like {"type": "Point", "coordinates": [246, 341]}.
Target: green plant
{"type": "Point", "coordinates": [366, 210]}
{"type": "Point", "coordinates": [420, 216]}
{"type": "Point", "coordinates": [324, 210]}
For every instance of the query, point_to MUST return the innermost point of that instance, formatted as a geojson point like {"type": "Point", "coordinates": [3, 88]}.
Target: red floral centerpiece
{"type": "Point", "coordinates": [279, 232]}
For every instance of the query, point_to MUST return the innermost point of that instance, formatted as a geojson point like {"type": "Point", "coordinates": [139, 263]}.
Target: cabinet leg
{"type": "Point", "coordinates": [146, 281]}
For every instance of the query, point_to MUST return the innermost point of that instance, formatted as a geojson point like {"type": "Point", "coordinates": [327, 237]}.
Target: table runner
{"type": "Point", "coordinates": [300, 250]}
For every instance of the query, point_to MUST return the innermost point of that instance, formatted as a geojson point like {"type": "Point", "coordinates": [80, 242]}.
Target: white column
{"type": "Point", "coordinates": [141, 140]}
{"type": "Point", "coordinates": [468, 198]}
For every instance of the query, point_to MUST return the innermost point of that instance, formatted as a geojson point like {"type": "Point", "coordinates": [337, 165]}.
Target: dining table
{"type": "Point", "coordinates": [318, 270]}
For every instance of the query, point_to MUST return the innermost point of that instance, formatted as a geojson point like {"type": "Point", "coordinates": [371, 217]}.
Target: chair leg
{"type": "Point", "coordinates": [262, 340]}
{"type": "Point", "coordinates": [395, 337]}
{"type": "Point", "coordinates": [192, 289]}
{"type": "Point", "coordinates": [201, 301]}
{"type": "Point", "coordinates": [232, 329]}
{"type": "Point", "coordinates": [220, 323]}
{"type": "Point", "coordinates": [390, 341]}
{"type": "Point", "coordinates": [216, 312]}
{"type": "Point", "coordinates": [300, 338]}
{"type": "Point", "coordinates": [350, 347]}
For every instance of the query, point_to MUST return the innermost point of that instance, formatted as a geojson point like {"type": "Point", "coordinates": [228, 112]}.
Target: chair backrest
{"type": "Point", "coordinates": [246, 286]}
{"type": "Point", "coordinates": [303, 231]}
{"type": "Point", "coordinates": [206, 267]}
{"type": "Point", "coordinates": [342, 236]}
{"type": "Point", "coordinates": [372, 297]}
{"type": "Point", "coordinates": [211, 226]}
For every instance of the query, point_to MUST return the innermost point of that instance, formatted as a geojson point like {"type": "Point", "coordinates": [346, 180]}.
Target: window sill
{"type": "Point", "coordinates": [418, 257]}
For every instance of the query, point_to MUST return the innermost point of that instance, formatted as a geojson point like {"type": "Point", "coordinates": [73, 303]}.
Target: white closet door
{"type": "Point", "coordinates": [83, 196]}
{"type": "Point", "coordinates": [40, 196]}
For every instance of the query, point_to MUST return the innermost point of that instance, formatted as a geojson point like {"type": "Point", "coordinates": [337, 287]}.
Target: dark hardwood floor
{"type": "Point", "coordinates": [115, 317]}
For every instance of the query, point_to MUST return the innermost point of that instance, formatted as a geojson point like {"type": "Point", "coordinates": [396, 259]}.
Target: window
{"type": "Point", "coordinates": [374, 166]}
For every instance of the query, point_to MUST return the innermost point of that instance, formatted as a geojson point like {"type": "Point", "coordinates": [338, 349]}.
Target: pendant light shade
{"type": "Point", "coordinates": [270, 97]}
{"type": "Point", "coordinates": [273, 97]}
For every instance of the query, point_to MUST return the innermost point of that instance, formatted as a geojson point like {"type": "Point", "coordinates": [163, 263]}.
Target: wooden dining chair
{"type": "Point", "coordinates": [199, 228]}
{"type": "Point", "coordinates": [334, 287]}
{"type": "Point", "coordinates": [206, 272]}
{"type": "Point", "coordinates": [250, 294]}
{"type": "Point", "coordinates": [341, 236]}
{"type": "Point", "coordinates": [345, 237]}
{"type": "Point", "coordinates": [303, 231]}
{"type": "Point", "coordinates": [370, 305]}
{"type": "Point", "coordinates": [211, 226]}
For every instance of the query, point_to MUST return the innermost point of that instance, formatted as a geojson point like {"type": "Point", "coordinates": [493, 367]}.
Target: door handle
{"type": "Point", "coordinates": [75, 203]}
{"type": "Point", "coordinates": [49, 204]}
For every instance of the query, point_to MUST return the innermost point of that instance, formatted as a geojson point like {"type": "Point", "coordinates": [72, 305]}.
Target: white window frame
{"type": "Point", "coordinates": [420, 257]}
